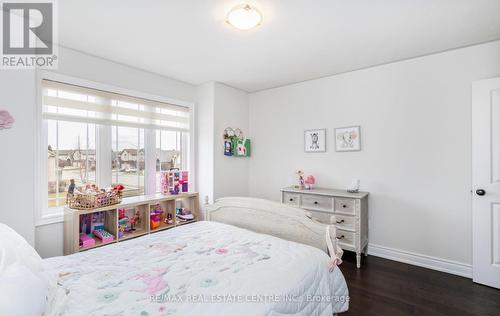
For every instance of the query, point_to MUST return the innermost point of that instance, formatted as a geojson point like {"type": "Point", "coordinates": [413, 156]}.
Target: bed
{"type": "Point", "coordinates": [204, 268]}
{"type": "Point", "coordinates": [273, 218]}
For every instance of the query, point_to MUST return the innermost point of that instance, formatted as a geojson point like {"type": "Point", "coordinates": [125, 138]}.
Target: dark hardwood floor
{"type": "Point", "coordinates": [386, 287]}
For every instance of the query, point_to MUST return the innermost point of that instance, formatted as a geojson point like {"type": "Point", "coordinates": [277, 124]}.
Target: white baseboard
{"type": "Point", "coordinates": [443, 265]}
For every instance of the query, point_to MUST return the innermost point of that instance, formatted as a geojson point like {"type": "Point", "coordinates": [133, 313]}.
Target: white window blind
{"type": "Point", "coordinates": [65, 102]}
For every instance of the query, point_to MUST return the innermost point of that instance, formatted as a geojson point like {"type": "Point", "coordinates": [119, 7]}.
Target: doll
{"type": "Point", "coordinates": [300, 179]}
{"type": "Point", "coordinates": [72, 186]}
{"type": "Point", "coordinates": [169, 220]}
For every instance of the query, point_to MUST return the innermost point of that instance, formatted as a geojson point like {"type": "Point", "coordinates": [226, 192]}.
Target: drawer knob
{"type": "Point", "coordinates": [341, 237]}
{"type": "Point", "coordinates": [340, 222]}
{"type": "Point", "coordinates": [291, 200]}
{"type": "Point", "coordinates": [316, 202]}
{"type": "Point", "coordinates": [344, 206]}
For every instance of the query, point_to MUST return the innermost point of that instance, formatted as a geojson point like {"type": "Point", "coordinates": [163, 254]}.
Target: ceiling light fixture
{"type": "Point", "coordinates": [244, 17]}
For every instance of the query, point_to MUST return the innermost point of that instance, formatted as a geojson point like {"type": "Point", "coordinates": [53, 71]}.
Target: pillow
{"type": "Point", "coordinates": [22, 292]}
{"type": "Point", "coordinates": [14, 249]}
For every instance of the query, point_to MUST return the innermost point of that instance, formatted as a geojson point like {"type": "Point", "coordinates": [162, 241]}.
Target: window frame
{"type": "Point", "coordinates": [103, 144]}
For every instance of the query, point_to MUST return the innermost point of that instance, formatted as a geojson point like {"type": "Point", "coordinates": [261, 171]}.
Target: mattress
{"type": "Point", "coordinates": [204, 268]}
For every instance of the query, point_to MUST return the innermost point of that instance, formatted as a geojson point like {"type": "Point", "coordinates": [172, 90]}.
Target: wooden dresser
{"type": "Point", "coordinates": [347, 211]}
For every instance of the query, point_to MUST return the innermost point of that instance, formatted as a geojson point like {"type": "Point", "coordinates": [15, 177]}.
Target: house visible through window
{"type": "Point", "coordinates": [107, 138]}
{"type": "Point", "coordinates": [168, 153]}
{"type": "Point", "coordinates": [70, 155]}
{"type": "Point", "coordinates": [128, 159]}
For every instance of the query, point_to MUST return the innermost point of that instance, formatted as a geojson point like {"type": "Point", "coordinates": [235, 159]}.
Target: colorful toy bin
{"type": "Point", "coordinates": [155, 217]}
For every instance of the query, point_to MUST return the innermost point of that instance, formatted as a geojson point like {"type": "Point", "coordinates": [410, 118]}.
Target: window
{"type": "Point", "coordinates": [168, 153]}
{"type": "Point", "coordinates": [70, 155]}
{"type": "Point", "coordinates": [128, 159]}
{"type": "Point", "coordinates": [91, 135]}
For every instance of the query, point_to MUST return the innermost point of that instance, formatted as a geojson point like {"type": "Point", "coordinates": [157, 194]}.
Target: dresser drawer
{"type": "Point", "coordinates": [345, 222]}
{"type": "Point", "coordinates": [345, 237]}
{"type": "Point", "coordinates": [346, 206]}
{"type": "Point", "coordinates": [291, 199]}
{"type": "Point", "coordinates": [317, 202]}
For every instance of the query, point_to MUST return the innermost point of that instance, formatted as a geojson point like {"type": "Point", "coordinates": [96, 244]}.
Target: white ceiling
{"type": "Point", "coordinates": [298, 40]}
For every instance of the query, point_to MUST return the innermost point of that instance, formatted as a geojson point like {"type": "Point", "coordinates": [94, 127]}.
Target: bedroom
{"type": "Point", "coordinates": [394, 98]}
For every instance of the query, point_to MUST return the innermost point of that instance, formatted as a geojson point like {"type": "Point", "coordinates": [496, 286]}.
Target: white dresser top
{"type": "Point", "coordinates": [329, 192]}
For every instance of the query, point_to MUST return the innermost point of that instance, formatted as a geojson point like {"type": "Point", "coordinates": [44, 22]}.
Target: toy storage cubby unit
{"type": "Point", "coordinates": [132, 221]}
{"type": "Point", "coordinates": [182, 204]}
{"type": "Point", "coordinates": [162, 215]}
{"type": "Point", "coordinates": [133, 217]}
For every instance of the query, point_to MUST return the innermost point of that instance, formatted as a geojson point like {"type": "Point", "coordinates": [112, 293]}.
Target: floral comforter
{"type": "Point", "coordinates": [203, 268]}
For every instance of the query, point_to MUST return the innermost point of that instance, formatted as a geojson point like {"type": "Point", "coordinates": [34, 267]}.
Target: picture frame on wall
{"type": "Point", "coordinates": [348, 138]}
{"type": "Point", "coordinates": [315, 141]}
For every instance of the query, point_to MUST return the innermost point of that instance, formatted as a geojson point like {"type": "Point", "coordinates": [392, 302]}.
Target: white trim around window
{"type": "Point", "coordinates": [42, 214]}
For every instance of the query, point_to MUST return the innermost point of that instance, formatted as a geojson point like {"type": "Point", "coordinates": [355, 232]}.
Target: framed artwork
{"type": "Point", "coordinates": [348, 138]}
{"type": "Point", "coordinates": [315, 141]}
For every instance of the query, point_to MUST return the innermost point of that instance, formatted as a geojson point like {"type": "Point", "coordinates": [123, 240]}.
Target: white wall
{"type": "Point", "coordinates": [415, 119]}
{"type": "Point", "coordinates": [231, 173]}
{"type": "Point", "coordinates": [205, 128]}
{"type": "Point", "coordinates": [16, 165]}
{"type": "Point", "coordinates": [220, 106]}
{"type": "Point", "coordinates": [83, 66]}
{"type": "Point", "coordinates": [16, 152]}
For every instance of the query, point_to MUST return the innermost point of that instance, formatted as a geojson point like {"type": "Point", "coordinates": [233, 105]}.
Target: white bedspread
{"type": "Point", "coordinates": [204, 268]}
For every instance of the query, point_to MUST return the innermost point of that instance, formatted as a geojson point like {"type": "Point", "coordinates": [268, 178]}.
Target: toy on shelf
{"type": "Point", "coordinates": [170, 219]}
{"type": "Point", "coordinates": [183, 214]}
{"type": "Point", "coordinates": [155, 217]}
{"type": "Point", "coordinates": [300, 179]}
{"type": "Point", "coordinates": [86, 223]}
{"type": "Point", "coordinates": [90, 196]}
{"type": "Point", "coordinates": [122, 222]}
{"type": "Point", "coordinates": [104, 235]}
{"type": "Point", "coordinates": [98, 219]}
{"type": "Point", "coordinates": [93, 224]}
{"type": "Point", "coordinates": [174, 181]}
{"type": "Point", "coordinates": [127, 224]}
{"type": "Point", "coordinates": [134, 220]}
{"type": "Point", "coordinates": [309, 182]}
{"type": "Point", "coordinates": [86, 241]}
{"type": "Point", "coordinates": [122, 226]}
{"type": "Point", "coordinates": [303, 181]}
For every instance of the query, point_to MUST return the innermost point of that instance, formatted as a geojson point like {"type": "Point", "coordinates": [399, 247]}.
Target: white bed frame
{"type": "Point", "coordinates": [275, 219]}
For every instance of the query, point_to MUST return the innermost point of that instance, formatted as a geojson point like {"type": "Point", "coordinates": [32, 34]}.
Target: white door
{"type": "Point", "coordinates": [486, 182]}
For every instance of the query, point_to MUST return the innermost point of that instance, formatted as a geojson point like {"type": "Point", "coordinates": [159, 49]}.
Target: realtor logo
{"type": "Point", "coordinates": [28, 35]}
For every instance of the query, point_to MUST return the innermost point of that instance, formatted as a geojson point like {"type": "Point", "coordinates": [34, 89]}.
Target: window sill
{"type": "Point", "coordinates": [57, 217]}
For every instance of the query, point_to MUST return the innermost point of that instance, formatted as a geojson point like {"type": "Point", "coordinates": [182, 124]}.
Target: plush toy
{"type": "Point", "coordinates": [309, 182]}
